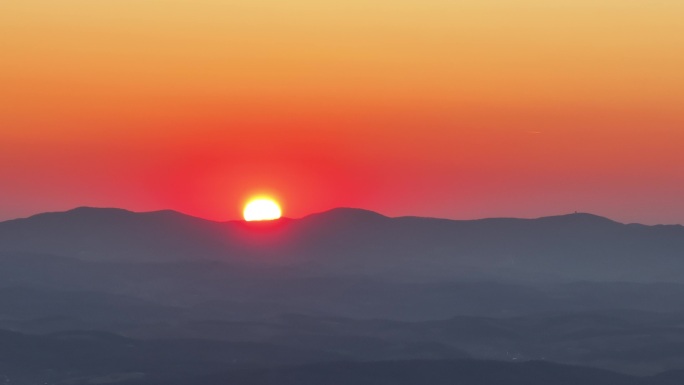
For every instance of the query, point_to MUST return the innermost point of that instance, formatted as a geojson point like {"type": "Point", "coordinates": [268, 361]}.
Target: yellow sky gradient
{"type": "Point", "coordinates": [437, 85]}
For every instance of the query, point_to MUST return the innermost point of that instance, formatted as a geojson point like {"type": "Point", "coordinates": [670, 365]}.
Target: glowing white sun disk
{"type": "Point", "coordinates": [261, 209]}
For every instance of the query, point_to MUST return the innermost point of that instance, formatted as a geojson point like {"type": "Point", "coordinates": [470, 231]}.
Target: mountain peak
{"type": "Point", "coordinates": [83, 212]}
{"type": "Point", "coordinates": [347, 214]}
{"type": "Point", "coordinates": [579, 217]}
{"type": "Point", "coordinates": [93, 208]}
{"type": "Point", "coordinates": [89, 212]}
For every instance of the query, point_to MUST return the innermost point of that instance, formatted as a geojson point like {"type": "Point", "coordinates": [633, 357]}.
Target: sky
{"type": "Point", "coordinates": [448, 108]}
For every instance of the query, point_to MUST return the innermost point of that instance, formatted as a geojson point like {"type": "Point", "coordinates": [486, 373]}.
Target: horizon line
{"type": "Point", "coordinates": [329, 211]}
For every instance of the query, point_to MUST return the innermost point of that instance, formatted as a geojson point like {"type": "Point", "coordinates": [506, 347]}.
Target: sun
{"type": "Point", "coordinates": [261, 209]}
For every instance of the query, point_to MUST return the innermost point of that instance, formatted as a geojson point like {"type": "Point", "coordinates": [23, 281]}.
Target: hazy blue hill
{"type": "Point", "coordinates": [131, 293]}
{"type": "Point", "coordinates": [96, 308]}
{"type": "Point", "coordinates": [346, 216]}
{"type": "Point", "coordinates": [115, 234]}
{"type": "Point", "coordinates": [352, 241]}
{"type": "Point", "coordinates": [68, 356]}
{"type": "Point", "coordinates": [424, 372]}
{"type": "Point", "coordinates": [214, 290]}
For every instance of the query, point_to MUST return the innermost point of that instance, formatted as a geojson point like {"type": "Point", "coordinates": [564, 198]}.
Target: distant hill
{"type": "Point", "coordinates": [88, 357]}
{"type": "Point", "coordinates": [112, 296]}
{"type": "Point", "coordinates": [116, 235]}
{"type": "Point", "coordinates": [68, 356]}
{"type": "Point", "coordinates": [424, 372]}
{"type": "Point", "coordinates": [353, 241]}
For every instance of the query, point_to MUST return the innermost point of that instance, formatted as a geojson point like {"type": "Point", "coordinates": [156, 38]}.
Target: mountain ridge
{"type": "Point", "coordinates": [336, 211]}
{"type": "Point", "coordinates": [348, 240]}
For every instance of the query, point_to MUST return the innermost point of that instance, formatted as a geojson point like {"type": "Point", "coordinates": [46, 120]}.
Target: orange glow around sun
{"type": "Point", "coordinates": [261, 209]}
{"type": "Point", "coordinates": [458, 109]}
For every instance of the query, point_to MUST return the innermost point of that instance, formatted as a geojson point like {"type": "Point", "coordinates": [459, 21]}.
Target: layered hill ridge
{"type": "Point", "coordinates": [114, 296]}
{"type": "Point", "coordinates": [346, 240]}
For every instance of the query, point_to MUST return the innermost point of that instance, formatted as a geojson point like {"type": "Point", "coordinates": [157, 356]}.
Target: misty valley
{"type": "Point", "coordinates": [348, 296]}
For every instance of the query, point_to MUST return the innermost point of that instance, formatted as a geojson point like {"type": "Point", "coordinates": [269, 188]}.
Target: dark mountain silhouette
{"type": "Point", "coordinates": [352, 241]}
{"type": "Point", "coordinates": [629, 342]}
{"type": "Point", "coordinates": [111, 296]}
{"type": "Point", "coordinates": [68, 356]}
{"type": "Point", "coordinates": [424, 372]}
{"type": "Point", "coordinates": [89, 308]}
{"type": "Point", "coordinates": [116, 235]}
{"type": "Point", "coordinates": [97, 357]}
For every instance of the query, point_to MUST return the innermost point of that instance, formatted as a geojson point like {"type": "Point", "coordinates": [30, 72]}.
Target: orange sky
{"type": "Point", "coordinates": [459, 109]}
